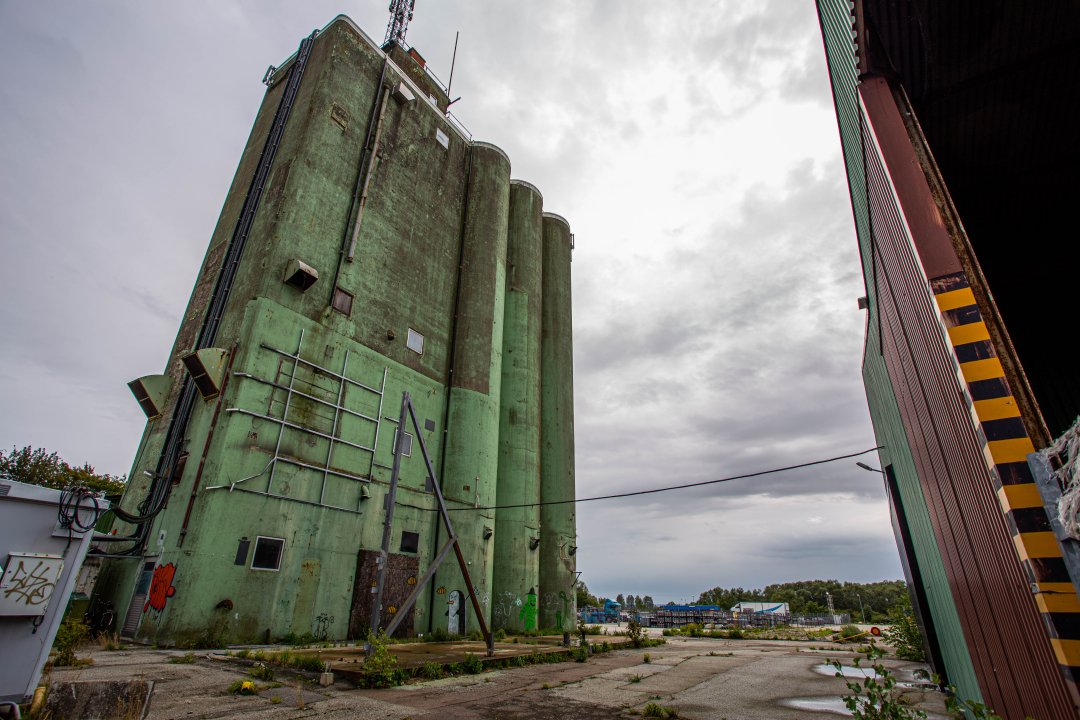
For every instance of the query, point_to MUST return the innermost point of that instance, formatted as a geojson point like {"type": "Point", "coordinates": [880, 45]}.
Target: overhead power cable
{"type": "Point", "coordinates": [684, 486]}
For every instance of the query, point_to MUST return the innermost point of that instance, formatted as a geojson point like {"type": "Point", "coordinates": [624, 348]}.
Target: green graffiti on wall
{"type": "Point", "coordinates": [528, 611]}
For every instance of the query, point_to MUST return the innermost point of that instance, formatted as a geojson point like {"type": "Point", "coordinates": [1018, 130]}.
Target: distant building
{"type": "Point", "coordinates": [958, 127]}
{"type": "Point", "coordinates": [767, 608]}
{"type": "Point", "coordinates": [368, 246]}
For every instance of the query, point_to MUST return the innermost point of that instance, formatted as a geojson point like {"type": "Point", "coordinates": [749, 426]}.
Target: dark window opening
{"type": "Point", "coordinates": [267, 553]}
{"type": "Point", "coordinates": [342, 301]}
{"type": "Point", "coordinates": [410, 541]}
{"type": "Point", "coordinates": [242, 551]}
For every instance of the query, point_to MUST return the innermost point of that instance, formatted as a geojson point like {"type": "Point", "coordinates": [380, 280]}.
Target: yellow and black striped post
{"type": "Point", "coordinates": [1006, 446]}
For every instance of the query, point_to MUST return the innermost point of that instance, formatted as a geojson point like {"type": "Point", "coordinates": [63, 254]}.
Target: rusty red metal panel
{"type": "Point", "coordinates": [1004, 631]}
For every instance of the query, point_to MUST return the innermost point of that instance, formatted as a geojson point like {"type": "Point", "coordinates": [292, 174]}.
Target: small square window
{"type": "Point", "coordinates": [342, 301]}
{"type": "Point", "coordinates": [267, 553]}
{"type": "Point", "coordinates": [410, 541]}
{"type": "Point", "coordinates": [415, 342]}
{"type": "Point", "coordinates": [406, 448]}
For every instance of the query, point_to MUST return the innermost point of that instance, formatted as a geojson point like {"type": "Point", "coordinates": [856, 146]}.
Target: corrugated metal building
{"type": "Point", "coordinates": [956, 121]}
{"type": "Point", "coordinates": [368, 246]}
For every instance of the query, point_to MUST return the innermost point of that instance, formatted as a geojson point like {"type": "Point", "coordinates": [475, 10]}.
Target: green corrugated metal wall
{"type": "Point", "coordinates": [836, 27]}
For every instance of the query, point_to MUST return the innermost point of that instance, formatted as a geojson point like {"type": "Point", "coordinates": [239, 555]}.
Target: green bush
{"type": "Point", "coordinates": [473, 664]}
{"type": "Point", "coordinates": [185, 659]}
{"type": "Point", "coordinates": [499, 634]}
{"type": "Point", "coordinates": [905, 637]}
{"type": "Point", "coordinates": [380, 667]}
{"type": "Point", "coordinates": [581, 653]}
{"type": "Point", "coordinates": [68, 637]}
{"type": "Point", "coordinates": [849, 631]}
{"type": "Point", "coordinates": [431, 671]}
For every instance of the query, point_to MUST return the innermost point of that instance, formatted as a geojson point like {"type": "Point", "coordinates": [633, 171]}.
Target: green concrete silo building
{"type": "Point", "coordinates": [367, 246]}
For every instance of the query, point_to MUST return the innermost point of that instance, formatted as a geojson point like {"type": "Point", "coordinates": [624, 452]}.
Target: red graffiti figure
{"type": "Point", "coordinates": [161, 588]}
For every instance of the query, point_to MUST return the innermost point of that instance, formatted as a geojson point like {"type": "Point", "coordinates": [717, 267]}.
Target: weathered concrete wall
{"type": "Point", "coordinates": [472, 430]}
{"type": "Point", "coordinates": [516, 580]}
{"type": "Point", "coordinates": [558, 526]}
{"type": "Point", "coordinates": [300, 449]}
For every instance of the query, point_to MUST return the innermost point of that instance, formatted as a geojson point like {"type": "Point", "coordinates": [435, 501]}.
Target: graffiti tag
{"type": "Point", "coordinates": [161, 587]}
{"type": "Point", "coordinates": [29, 581]}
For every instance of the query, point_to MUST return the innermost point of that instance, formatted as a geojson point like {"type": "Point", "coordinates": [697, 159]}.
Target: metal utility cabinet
{"type": "Point", "coordinates": [40, 559]}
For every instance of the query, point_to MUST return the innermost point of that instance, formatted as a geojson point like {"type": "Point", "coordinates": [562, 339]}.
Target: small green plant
{"type": "Point", "coordinates": [636, 633]}
{"type": "Point", "coordinates": [185, 659]}
{"type": "Point", "coordinates": [109, 642]}
{"type": "Point", "coordinates": [635, 678]}
{"type": "Point", "coordinates": [581, 653]}
{"type": "Point", "coordinates": [647, 658]}
{"type": "Point", "coordinates": [656, 710]}
{"type": "Point", "coordinates": [261, 672]}
{"type": "Point", "coordinates": [849, 631]}
{"type": "Point", "coordinates": [380, 666]}
{"type": "Point", "coordinates": [475, 635]}
{"type": "Point", "coordinates": [734, 634]}
{"type": "Point", "coordinates": [499, 634]}
{"type": "Point", "coordinates": [905, 637]}
{"type": "Point", "coordinates": [243, 687]}
{"type": "Point", "coordinates": [275, 700]}
{"type": "Point", "coordinates": [473, 664]}
{"type": "Point", "coordinates": [968, 708]}
{"type": "Point", "coordinates": [545, 686]}
{"type": "Point", "coordinates": [431, 671]}
{"type": "Point", "coordinates": [876, 697]}
{"type": "Point", "coordinates": [70, 634]}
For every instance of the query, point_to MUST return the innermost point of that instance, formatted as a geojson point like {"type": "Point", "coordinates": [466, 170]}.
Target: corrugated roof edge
{"type": "Point", "coordinates": [279, 74]}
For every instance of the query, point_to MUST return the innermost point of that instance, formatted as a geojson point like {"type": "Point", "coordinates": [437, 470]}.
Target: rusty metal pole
{"type": "Point", "coordinates": [388, 525]}
{"type": "Point", "coordinates": [488, 638]}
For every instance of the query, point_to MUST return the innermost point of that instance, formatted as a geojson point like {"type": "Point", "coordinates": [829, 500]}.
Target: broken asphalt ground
{"type": "Point", "coordinates": [699, 677]}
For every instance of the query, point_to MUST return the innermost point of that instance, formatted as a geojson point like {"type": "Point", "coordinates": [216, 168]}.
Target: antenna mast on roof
{"type": "Point", "coordinates": [401, 12]}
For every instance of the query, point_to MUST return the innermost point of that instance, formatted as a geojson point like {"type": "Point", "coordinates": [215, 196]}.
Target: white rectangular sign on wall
{"type": "Point", "coordinates": [28, 582]}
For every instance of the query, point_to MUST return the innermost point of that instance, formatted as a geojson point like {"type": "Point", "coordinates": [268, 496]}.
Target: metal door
{"type": "Point", "coordinates": [455, 623]}
{"type": "Point", "coordinates": [138, 600]}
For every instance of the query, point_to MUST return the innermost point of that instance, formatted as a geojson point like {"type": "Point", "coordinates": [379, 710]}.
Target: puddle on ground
{"type": "Point", "coordinates": [833, 705]}
{"type": "Point", "coordinates": [846, 670]}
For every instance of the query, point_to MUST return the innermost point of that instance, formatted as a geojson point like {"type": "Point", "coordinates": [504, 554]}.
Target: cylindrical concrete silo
{"type": "Point", "coordinates": [516, 581]}
{"type": "Point", "coordinates": [558, 523]}
{"type": "Point", "coordinates": [472, 441]}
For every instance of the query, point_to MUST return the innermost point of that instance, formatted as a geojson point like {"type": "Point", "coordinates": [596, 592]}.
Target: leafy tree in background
{"type": "Point", "coordinates": [620, 599]}
{"type": "Point", "coordinates": [40, 467]}
{"type": "Point", "coordinates": [809, 597]}
{"type": "Point", "coordinates": [585, 598]}
{"type": "Point", "coordinates": [647, 603]}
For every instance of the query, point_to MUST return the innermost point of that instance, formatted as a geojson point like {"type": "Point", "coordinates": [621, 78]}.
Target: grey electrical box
{"type": "Point", "coordinates": [39, 563]}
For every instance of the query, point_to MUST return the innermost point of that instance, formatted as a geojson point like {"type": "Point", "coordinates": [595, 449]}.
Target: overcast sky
{"type": "Point", "coordinates": [692, 147]}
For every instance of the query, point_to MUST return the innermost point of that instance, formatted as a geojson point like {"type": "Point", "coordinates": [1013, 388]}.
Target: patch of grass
{"type": "Point", "coordinates": [473, 664]}
{"type": "Point", "coordinates": [646, 658]}
{"type": "Point", "coordinates": [109, 641]}
{"type": "Point", "coordinates": [431, 671]}
{"type": "Point", "coordinates": [243, 687]}
{"type": "Point", "coordinates": [185, 659]}
{"type": "Point", "coordinates": [499, 634]}
{"type": "Point", "coordinates": [275, 699]}
{"type": "Point", "coordinates": [545, 686]}
{"type": "Point", "coordinates": [635, 678]}
{"type": "Point", "coordinates": [581, 653]}
{"type": "Point", "coordinates": [656, 710]}
{"type": "Point", "coordinates": [261, 672]}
